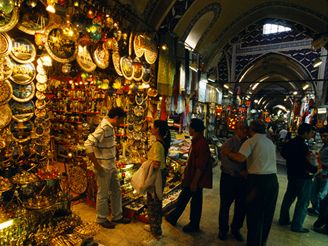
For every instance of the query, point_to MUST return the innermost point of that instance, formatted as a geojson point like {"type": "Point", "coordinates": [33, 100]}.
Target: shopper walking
{"type": "Point", "coordinates": [299, 173]}
{"type": "Point", "coordinates": [100, 148]}
{"type": "Point", "coordinates": [232, 186]}
{"type": "Point", "coordinates": [262, 184]}
{"type": "Point", "coordinates": [197, 176]}
{"type": "Point", "coordinates": [320, 182]}
{"type": "Point", "coordinates": [157, 156]}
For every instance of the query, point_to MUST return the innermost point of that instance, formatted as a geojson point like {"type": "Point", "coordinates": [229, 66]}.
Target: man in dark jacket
{"type": "Point", "coordinates": [300, 171]}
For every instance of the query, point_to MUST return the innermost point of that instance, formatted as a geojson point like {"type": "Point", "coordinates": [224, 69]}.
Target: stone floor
{"type": "Point", "coordinates": [134, 234]}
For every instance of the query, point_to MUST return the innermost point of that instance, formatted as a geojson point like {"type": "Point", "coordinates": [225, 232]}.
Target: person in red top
{"type": "Point", "coordinates": [197, 175]}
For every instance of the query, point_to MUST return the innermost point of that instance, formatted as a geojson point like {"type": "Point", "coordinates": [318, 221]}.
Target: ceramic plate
{"type": "Point", "coordinates": [6, 92]}
{"type": "Point", "coordinates": [8, 22]}
{"type": "Point", "coordinates": [151, 52]}
{"type": "Point", "coordinates": [138, 71]}
{"type": "Point", "coordinates": [60, 48]}
{"type": "Point", "coordinates": [6, 115]}
{"type": "Point", "coordinates": [6, 68]}
{"type": "Point", "coordinates": [23, 73]}
{"type": "Point", "coordinates": [41, 86]}
{"type": "Point", "coordinates": [40, 95]}
{"type": "Point", "coordinates": [127, 67]}
{"type": "Point", "coordinates": [23, 50]}
{"type": "Point", "coordinates": [40, 113]}
{"type": "Point", "coordinates": [41, 78]}
{"type": "Point", "coordinates": [40, 104]}
{"type": "Point", "coordinates": [5, 44]}
{"type": "Point", "coordinates": [21, 131]}
{"type": "Point", "coordinates": [23, 93]}
{"type": "Point", "coordinates": [22, 111]}
{"type": "Point", "coordinates": [138, 45]}
{"type": "Point", "coordinates": [116, 62]}
{"type": "Point", "coordinates": [84, 59]}
{"type": "Point", "coordinates": [101, 57]}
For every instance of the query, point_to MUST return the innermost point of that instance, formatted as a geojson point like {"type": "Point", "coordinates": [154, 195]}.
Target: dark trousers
{"type": "Point", "coordinates": [232, 189]}
{"type": "Point", "coordinates": [300, 189]}
{"type": "Point", "coordinates": [323, 214]}
{"type": "Point", "coordinates": [261, 197]}
{"type": "Point", "coordinates": [195, 206]}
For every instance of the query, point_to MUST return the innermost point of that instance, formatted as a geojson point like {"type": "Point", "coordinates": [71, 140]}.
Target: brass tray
{"type": "Point", "coordinates": [23, 93]}
{"type": "Point", "coordinates": [23, 73]}
{"type": "Point", "coordinates": [101, 57]}
{"type": "Point", "coordinates": [23, 50]}
{"type": "Point", "coordinates": [78, 179]}
{"type": "Point", "coordinates": [6, 92]}
{"type": "Point", "coordinates": [22, 111]}
{"type": "Point", "coordinates": [6, 68]}
{"type": "Point", "coordinates": [5, 44]}
{"type": "Point", "coordinates": [138, 45]}
{"type": "Point", "coordinates": [127, 67]}
{"type": "Point", "coordinates": [84, 59]}
{"type": "Point", "coordinates": [116, 62]}
{"type": "Point", "coordinates": [60, 48]}
{"type": "Point", "coordinates": [9, 21]}
{"type": "Point", "coordinates": [6, 115]}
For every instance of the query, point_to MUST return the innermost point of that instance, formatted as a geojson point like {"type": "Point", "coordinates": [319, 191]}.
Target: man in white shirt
{"type": "Point", "coordinates": [262, 184]}
{"type": "Point", "coordinates": [100, 148]}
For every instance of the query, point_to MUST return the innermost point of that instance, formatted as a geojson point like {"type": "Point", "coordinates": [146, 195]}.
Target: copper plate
{"type": "Point", "coordinates": [78, 179]}
{"type": "Point", "coordinates": [22, 111]}
{"type": "Point", "coordinates": [60, 48]}
{"type": "Point", "coordinates": [8, 22]}
{"type": "Point", "coordinates": [41, 86]}
{"type": "Point", "coordinates": [40, 104]}
{"type": "Point", "coordinates": [23, 93]}
{"type": "Point", "coordinates": [23, 73]}
{"type": "Point", "coordinates": [41, 78]}
{"type": "Point", "coordinates": [101, 57]}
{"type": "Point", "coordinates": [127, 67]}
{"type": "Point", "coordinates": [84, 59]}
{"type": "Point", "coordinates": [23, 50]}
{"type": "Point", "coordinates": [6, 68]}
{"type": "Point", "coordinates": [40, 95]}
{"type": "Point", "coordinates": [5, 44]}
{"type": "Point", "coordinates": [151, 52]}
{"type": "Point", "coordinates": [138, 71]}
{"type": "Point", "coordinates": [6, 115]}
{"type": "Point", "coordinates": [6, 92]}
{"type": "Point", "coordinates": [116, 62]}
{"type": "Point", "coordinates": [138, 45]}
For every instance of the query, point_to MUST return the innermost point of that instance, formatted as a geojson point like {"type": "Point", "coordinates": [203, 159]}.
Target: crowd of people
{"type": "Point", "coordinates": [248, 179]}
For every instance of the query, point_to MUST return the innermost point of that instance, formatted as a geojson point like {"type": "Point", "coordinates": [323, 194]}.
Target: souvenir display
{"type": "Point", "coordinates": [78, 179]}
{"type": "Point", "coordinates": [138, 45]}
{"type": "Point", "coordinates": [84, 59]}
{"type": "Point", "coordinates": [5, 44]}
{"type": "Point", "coordinates": [22, 111]}
{"type": "Point", "coordinates": [59, 47]}
{"type": "Point", "coordinates": [101, 57]}
{"type": "Point", "coordinates": [8, 21]}
{"type": "Point", "coordinates": [127, 67]}
{"type": "Point", "coordinates": [21, 132]}
{"type": "Point", "coordinates": [40, 113]}
{"type": "Point", "coordinates": [23, 73]}
{"type": "Point", "coordinates": [22, 51]}
{"type": "Point", "coordinates": [6, 91]}
{"type": "Point", "coordinates": [6, 68]}
{"type": "Point", "coordinates": [23, 93]}
{"type": "Point", "coordinates": [116, 62]}
{"type": "Point", "coordinates": [6, 115]}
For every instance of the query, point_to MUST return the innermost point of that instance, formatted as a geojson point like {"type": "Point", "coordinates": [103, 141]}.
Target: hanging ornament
{"type": "Point", "coordinates": [7, 6]}
{"type": "Point", "coordinates": [94, 31]}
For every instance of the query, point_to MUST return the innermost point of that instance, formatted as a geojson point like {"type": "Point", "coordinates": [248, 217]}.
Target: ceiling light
{"type": "Point", "coordinates": [317, 62]}
{"type": "Point", "coordinates": [230, 92]}
{"type": "Point", "coordinates": [305, 87]}
{"type": "Point", "coordinates": [164, 47]}
{"type": "Point", "coordinates": [295, 93]}
{"type": "Point", "coordinates": [226, 86]}
{"type": "Point", "coordinates": [256, 101]}
{"type": "Point", "coordinates": [211, 78]}
{"type": "Point", "coordinates": [193, 66]}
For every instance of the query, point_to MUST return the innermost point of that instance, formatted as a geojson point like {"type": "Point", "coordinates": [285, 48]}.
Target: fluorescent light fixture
{"type": "Point", "coordinates": [6, 224]}
{"type": "Point", "coordinates": [211, 78]}
{"type": "Point", "coordinates": [295, 93]}
{"type": "Point", "coordinates": [317, 62]}
{"type": "Point", "coordinates": [254, 86]}
{"type": "Point", "coordinates": [226, 86]}
{"type": "Point", "coordinates": [322, 110]}
{"type": "Point", "coordinates": [193, 66]}
{"type": "Point", "coordinates": [217, 90]}
{"type": "Point", "coordinates": [256, 101]}
{"type": "Point", "coordinates": [230, 92]}
{"type": "Point", "coordinates": [305, 87]}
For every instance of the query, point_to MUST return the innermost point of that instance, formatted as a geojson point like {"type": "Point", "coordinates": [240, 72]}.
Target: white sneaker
{"type": "Point", "coordinates": [147, 227]}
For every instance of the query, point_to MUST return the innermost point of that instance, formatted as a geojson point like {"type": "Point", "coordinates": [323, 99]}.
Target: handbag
{"type": "Point", "coordinates": [143, 178]}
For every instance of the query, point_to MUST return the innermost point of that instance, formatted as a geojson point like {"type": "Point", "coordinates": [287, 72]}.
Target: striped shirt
{"type": "Point", "coordinates": [102, 143]}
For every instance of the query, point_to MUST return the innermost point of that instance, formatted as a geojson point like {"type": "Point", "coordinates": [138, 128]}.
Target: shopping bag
{"type": "Point", "coordinates": [143, 178]}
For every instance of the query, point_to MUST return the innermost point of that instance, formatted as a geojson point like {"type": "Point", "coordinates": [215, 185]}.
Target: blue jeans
{"type": "Point", "coordinates": [319, 191]}
{"type": "Point", "coordinates": [108, 186]}
{"type": "Point", "coordinates": [300, 189]}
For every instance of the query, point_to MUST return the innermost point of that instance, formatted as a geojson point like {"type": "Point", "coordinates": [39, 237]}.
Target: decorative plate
{"type": "Point", "coordinates": [60, 48]}
{"type": "Point", "coordinates": [146, 76]}
{"type": "Point", "coordinates": [5, 44]}
{"type": "Point", "coordinates": [41, 78]}
{"type": "Point", "coordinates": [40, 95]}
{"type": "Point", "coordinates": [127, 67]}
{"type": "Point", "coordinates": [41, 86]}
{"type": "Point", "coordinates": [9, 21]}
{"type": "Point", "coordinates": [21, 131]}
{"type": "Point", "coordinates": [138, 71]}
{"type": "Point", "coordinates": [138, 45]}
{"type": "Point", "coordinates": [6, 115]}
{"type": "Point", "coordinates": [40, 69]}
{"type": "Point", "coordinates": [22, 111]}
{"type": "Point", "coordinates": [23, 73]}
{"type": "Point", "coordinates": [151, 53]}
{"type": "Point", "coordinates": [6, 92]}
{"type": "Point", "coordinates": [40, 113]}
{"type": "Point", "coordinates": [33, 20]}
{"type": "Point", "coordinates": [78, 179]}
{"type": "Point", "coordinates": [40, 104]}
{"type": "Point", "coordinates": [6, 67]}
{"type": "Point", "coordinates": [116, 62]}
{"type": "Point", "coordinates": [84, 59]}
{"type": "Point", "coordinates": [23, 93]}
{"type": "Point", "coordinates": [23, 50]}
{"type": "Point", "coordinates": [101, 57]}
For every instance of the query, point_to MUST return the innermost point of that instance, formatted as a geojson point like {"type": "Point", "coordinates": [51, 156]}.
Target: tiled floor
{"type": "Point", "coordinates": [134, 234]}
